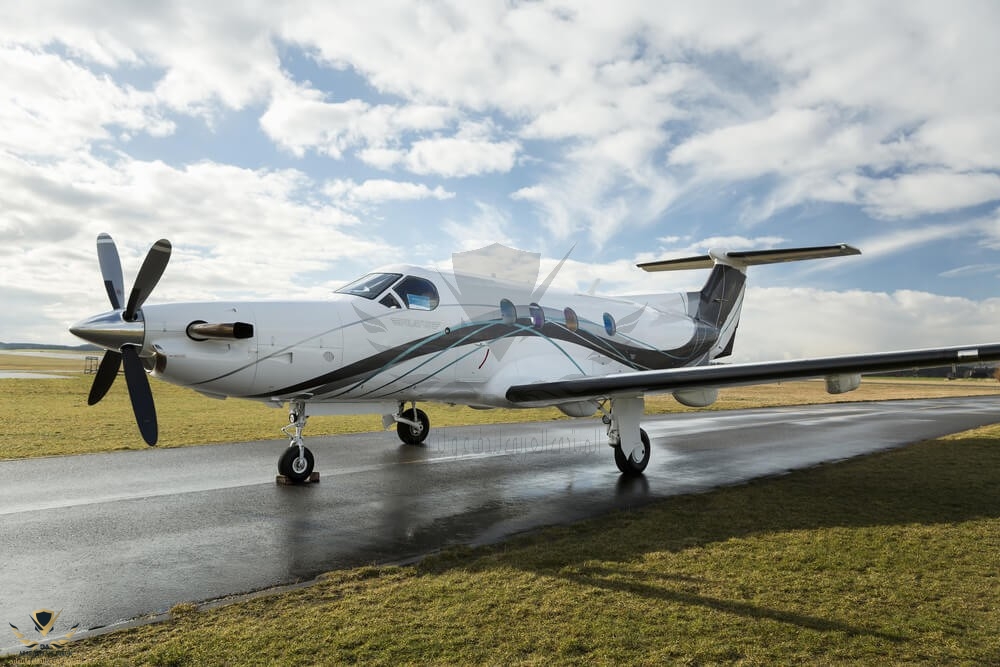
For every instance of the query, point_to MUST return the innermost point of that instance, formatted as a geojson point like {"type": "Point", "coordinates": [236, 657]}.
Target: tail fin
{"type": "Point", "coordinates": [720, 301]}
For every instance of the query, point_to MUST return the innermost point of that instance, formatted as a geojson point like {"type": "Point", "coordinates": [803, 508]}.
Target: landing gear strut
{"type": "Point", "coordinates": [630, 442]}
{"type": "Point", "coordinates": [296, 462]}
{"type": "Point", "coordinates": [412, 425]}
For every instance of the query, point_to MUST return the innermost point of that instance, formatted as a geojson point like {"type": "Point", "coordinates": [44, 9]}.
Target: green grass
{"type": "Point", "coordinates": [886, 559]}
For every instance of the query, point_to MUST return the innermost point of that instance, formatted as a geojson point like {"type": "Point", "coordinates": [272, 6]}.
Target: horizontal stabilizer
{"type": "Point", "coordinates": [741, 259]}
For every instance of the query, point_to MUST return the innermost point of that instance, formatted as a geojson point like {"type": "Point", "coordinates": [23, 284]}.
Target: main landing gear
{"type": "Point", "coordinates": [412, 424]}
{"type": "Point", "coordinates": [296, 462]}
{"type": "Point", "coordinates": [630, 442]}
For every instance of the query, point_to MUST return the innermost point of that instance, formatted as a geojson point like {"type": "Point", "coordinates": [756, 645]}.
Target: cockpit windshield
{"type": "Point", "coordinates": [371, 285]}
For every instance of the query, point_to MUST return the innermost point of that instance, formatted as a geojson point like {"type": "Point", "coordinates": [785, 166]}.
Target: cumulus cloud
{"type": "Point", "coordinates": [380, 190]}
{"type": "Point", "coordinates": [489, 225]}
{"type": "Point", "coordinates": [52, 106]}
{"type": "Point", "coordinates": [299, 119]}
{"type": "Point", "coordinates": [258, 219]}
{"type": "Point", "coordinates": [924, 192]}
{"type": "Point", "coordinates": [795, 323]}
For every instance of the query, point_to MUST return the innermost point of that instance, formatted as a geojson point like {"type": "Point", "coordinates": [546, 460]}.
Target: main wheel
{"type": "Point", "coordinates": [294, 467]}
{"type": "Point", "coordinates": [629, 464]}
{"type": "Point", "coordinates": [413, 435]}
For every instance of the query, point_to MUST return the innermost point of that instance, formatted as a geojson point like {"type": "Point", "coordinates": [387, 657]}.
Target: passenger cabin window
{"type": "Point", "coordinates": [572, 321]}
{"type": "Point", "coordinates": [508, 313]}
{"type": "Point", "coordinates": [371, 285]}
{"type": "Point", "coordinates": [417, 293]}
{"type": "Point", "coordinates": [609, 324]}
{"type": "Point", "coordinates": [537, 316]}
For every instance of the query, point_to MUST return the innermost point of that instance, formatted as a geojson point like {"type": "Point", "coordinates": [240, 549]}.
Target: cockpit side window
{"type": "Point", "coordinates": [417, 293]}
{"type": "Point", "coordinates": [390, 301]}
{"type": "Point", "coordinates": [371, 285]}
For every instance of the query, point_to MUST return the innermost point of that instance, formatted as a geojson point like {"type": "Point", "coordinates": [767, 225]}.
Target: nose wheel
{"type": "Point", "coordinates": [296, 462]}
{"type": "Point", "coordinates": [296, 465]}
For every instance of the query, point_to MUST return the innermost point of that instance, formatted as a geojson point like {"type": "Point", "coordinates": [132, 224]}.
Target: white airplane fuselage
{"type": "Point", "coordinates": [357, 352]}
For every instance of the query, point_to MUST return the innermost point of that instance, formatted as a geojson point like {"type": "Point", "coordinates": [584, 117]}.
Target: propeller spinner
{"type": "Point", "coordinates": [122, 331]}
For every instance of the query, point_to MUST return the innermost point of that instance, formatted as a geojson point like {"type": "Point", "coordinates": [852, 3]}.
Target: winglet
{"type": "Point", "coordinates": [744, 258]}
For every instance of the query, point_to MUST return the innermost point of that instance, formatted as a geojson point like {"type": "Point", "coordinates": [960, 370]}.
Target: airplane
{"type": "Point", "coordinates": [482, 335]}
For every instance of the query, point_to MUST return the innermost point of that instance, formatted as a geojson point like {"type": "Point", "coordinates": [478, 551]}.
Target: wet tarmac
{"type": "Point", "coordinates": [109, 537]}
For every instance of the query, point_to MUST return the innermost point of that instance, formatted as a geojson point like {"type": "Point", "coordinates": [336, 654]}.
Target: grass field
{"type": "Point", "coordinates": [892, 558]}
{"type": "Point", "coordinates": [51, 416]}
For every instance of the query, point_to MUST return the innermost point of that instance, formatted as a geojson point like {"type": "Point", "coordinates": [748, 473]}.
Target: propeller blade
{"type": "Point", "coordinates": [139, 392]}
{"type": "Point", "coordinates": [111, 270]}
{"type": "Point", "coordinates": [105, 377]}
{"type": "Point", "coordinates": [149, 274]}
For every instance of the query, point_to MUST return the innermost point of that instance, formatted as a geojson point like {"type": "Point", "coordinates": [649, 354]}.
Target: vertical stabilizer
{"type": "Point", "coordinates": [719, 304]}
{"type": "Point", "coordinates": [720, 301]}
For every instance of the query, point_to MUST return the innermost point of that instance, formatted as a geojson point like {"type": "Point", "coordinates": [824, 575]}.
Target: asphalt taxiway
{"type": "Point", "coordinates": [109, 537]}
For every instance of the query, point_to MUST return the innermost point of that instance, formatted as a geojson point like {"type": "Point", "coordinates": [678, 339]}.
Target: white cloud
{"type": "Point", "coordinates": [777, 143]}
{"type": "Point", "coordinates": [456, 157]}
{"type": "Point", "coordinates": [299, 119]}
{"type": "Point", "coordinates": [489, 225]}
{"type": "Point", "coordinates": [206, 55]}
{"type": "Point", "coordinates": [924, 192]}
{"type": "Point", "coordinates": [49, 106]}
{"type": "Point", "coordinates": [223, 220]}
{"type": "Point", "coordinates": [305, 120]}
{"type": "Point", "coordinates": [972, 270]}
{"type": "Point", "coordinates": [379, 190]}
{"type": "Point", "coordinates": [794, 323]}
{"type": "Point", "coordinates": [883, 245]}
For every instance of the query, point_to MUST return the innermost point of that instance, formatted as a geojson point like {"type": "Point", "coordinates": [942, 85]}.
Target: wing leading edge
{"type": "Point", "coordinates": [731, 375]}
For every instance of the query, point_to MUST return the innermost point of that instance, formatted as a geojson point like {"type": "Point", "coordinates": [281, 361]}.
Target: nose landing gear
{"type": "Point", "coordinates": [296, 463]}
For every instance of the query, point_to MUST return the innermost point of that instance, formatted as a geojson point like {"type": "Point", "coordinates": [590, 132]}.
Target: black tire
{"type": "Point", "coordinates": [630, 466]}
{"type": "Point", "coordinates": [410, 435]}
{"type": "Point", "coordinates": [295, 468]}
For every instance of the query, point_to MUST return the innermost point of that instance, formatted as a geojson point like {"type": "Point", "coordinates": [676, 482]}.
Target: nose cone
{"type": "Point", "coordinates": [110, 331]}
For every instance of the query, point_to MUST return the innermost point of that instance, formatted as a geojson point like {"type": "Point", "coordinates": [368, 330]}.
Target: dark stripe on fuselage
{"type": "Point", "coordinates": [635, 357]}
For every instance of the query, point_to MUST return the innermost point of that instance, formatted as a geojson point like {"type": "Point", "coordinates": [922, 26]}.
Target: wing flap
{"type": "Point", "coordinates": [731, 375]}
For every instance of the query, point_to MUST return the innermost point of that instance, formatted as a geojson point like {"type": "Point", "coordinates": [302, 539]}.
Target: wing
{"type": "Point", "coordinates": [730, 375]}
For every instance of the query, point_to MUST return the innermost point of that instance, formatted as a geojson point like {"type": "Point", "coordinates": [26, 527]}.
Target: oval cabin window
{"type": "Point", "coordinates": [508, 313]}
{"type": "Point", "coordinates": [537, 316]}
{"type": "Point", "coordinates": [572, 321]}
{"type": "Point", "coordinates": [609, 324]}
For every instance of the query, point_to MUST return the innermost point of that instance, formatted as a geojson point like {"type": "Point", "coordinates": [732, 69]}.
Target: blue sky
{"type": "Point", "coordinates": [285, 148]}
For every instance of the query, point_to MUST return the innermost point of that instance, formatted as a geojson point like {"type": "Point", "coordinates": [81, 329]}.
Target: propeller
{"type": "Point", "coordinates": [122, 331]}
